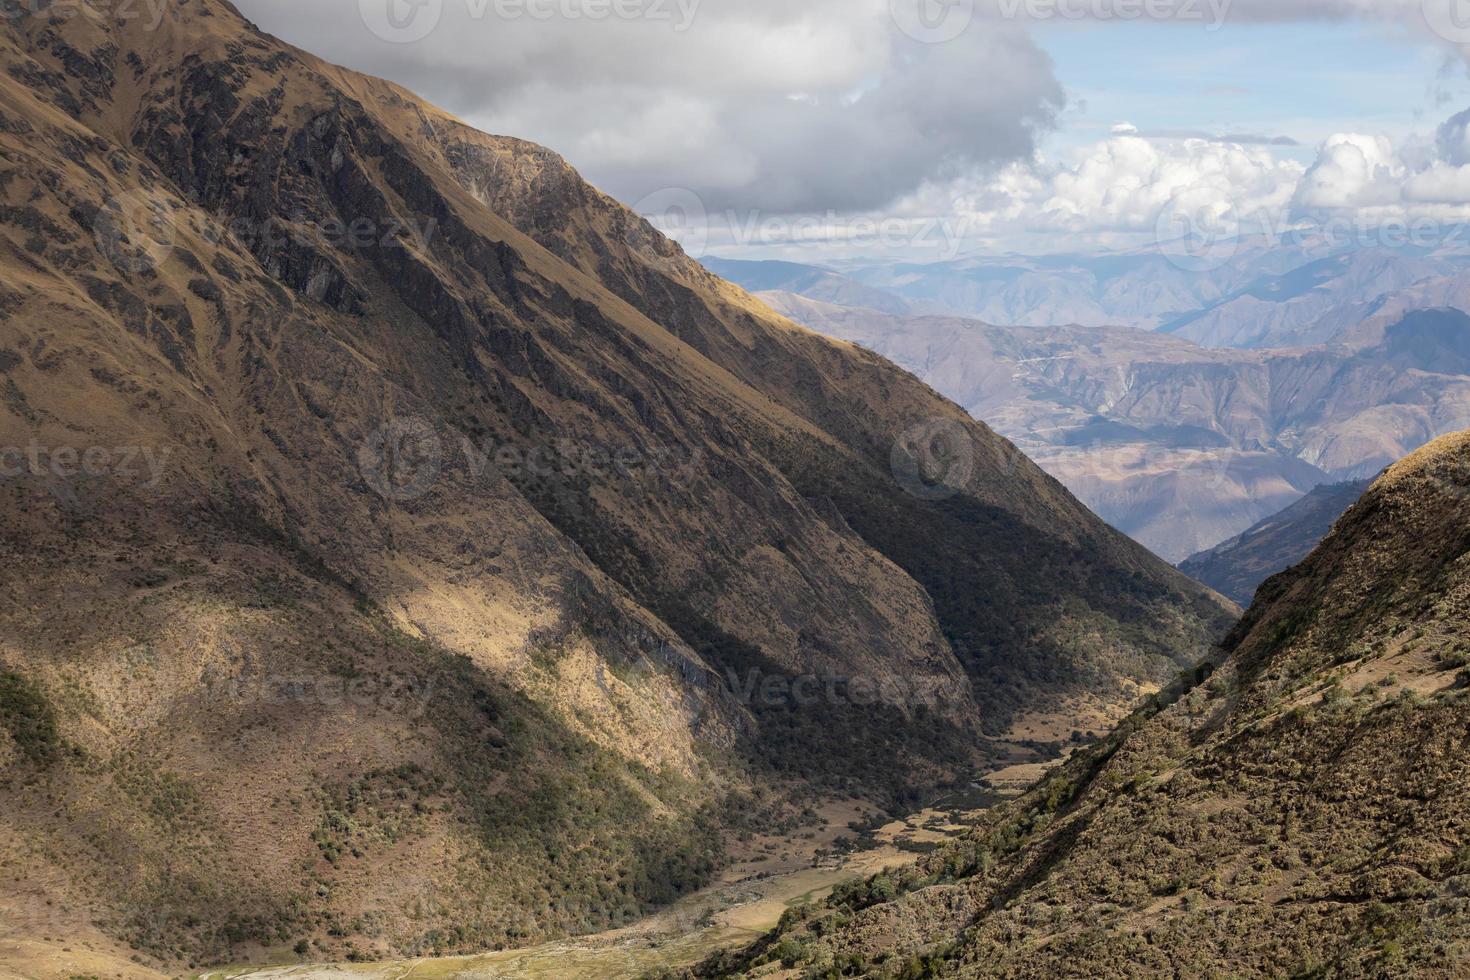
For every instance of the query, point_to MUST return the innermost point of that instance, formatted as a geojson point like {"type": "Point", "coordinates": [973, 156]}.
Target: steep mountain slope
{"type": "Point", "coordinates": [399, 534]}
{"type": "Point", "coordinates": [1303, 812]}
{"type": "Point", "coordinates": [1237, 568]}
{"type": "Point", "coordinates": [1178, 445]}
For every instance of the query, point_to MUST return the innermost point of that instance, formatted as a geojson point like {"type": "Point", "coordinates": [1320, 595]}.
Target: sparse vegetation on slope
{"type": "Point", "coordinates": [1237, 567]}
{"type": "Point", "coordinates": [1301, 811]}
{"type": "Point", "coordinates": [402, 591]}
{"type": "Point", "coordinates": [28, 717]}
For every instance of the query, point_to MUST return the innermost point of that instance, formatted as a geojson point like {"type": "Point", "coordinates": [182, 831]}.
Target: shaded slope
{"type": "Point", "coordinates": [1237, 568]}
{"type": "Point", "coordinates": [1300, 813]}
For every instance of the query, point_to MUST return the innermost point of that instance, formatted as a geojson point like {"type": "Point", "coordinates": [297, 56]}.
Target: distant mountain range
{"type": "Point", "coordinates": [1237, 568]}
{"type": "Point", "coordinates": [1315, 303]}
{"type": "Point", "coordinates": [1178, 445]}
{"type": "Point", "coordinates": [1268, 295]}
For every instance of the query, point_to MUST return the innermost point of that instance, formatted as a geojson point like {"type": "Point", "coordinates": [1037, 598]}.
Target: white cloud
{"type": "Point", "coordinates": [827, 115]}
{"type": "Point", "coordinates": [763, 104]}
{"type": "Point", "coordinates": [1370, 182]}
{"type": "Point", "coordinates": [1121, 188]}
{"type": "Point", "coordinates": [1351, 171]}
{"type": "Point", "coordinates": [1127, 190]}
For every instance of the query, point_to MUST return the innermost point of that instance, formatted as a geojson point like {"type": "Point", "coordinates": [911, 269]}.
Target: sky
{"type": "Point", "coordinates": [821, 130]}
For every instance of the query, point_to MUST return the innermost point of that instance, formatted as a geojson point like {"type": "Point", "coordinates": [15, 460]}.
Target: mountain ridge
{"type": "Point", "coordinates": [476, 498]}
{"type": "Point", "coordinates": [1237, 567]}
{"type": "Point", "coordinates": [1298, 810]}
{"type": "Point", "coordinates": [1300, 288]}
{"type": "Point", "coordinates": [1178, 445]}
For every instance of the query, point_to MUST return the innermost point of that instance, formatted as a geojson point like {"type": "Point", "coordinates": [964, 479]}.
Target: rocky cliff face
{"type": "Point", "coordinates": [1302, 812]}
{"type": "Point", "coordinates": [410, 550]}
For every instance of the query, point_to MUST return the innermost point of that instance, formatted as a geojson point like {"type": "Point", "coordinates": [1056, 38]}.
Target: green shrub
{"type": "Point", "coordinates": [790, 951]}
{"type": "Point", "coordinates": [29, 718]}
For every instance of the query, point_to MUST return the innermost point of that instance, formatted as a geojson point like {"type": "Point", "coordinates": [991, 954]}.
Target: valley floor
{"type": "Point", "coordinates": [776, 874]}
{"type": "Point", "coordinates": [768, 875]}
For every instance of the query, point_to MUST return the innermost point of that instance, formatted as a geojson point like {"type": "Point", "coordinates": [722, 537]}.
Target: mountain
{"type": "Point", "coordinates": [1296, 291]}
{"type": "Point", "coordinates": [409, 550]}
{"type": "Point", "coordinates": [1181, 446]}
{"type": "Point", "coordinates": [1143, 290]}
{"type": "Point", "coordinates": [1306, 305]}
{"type": "Point", "coordinates": [1365, 321]}
{"type": "Point", "coordinates": [1237, 568]}
{"type": "Point", "coordinates": [1301, 812]}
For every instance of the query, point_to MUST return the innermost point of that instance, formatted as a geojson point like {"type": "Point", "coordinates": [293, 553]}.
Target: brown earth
{"type": "Point", "coordinates": [395, 529]}
{"type": "Point", "coordinates": [1304, 811]}
{"type": "Point", "coordinates": [1182, 446]}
